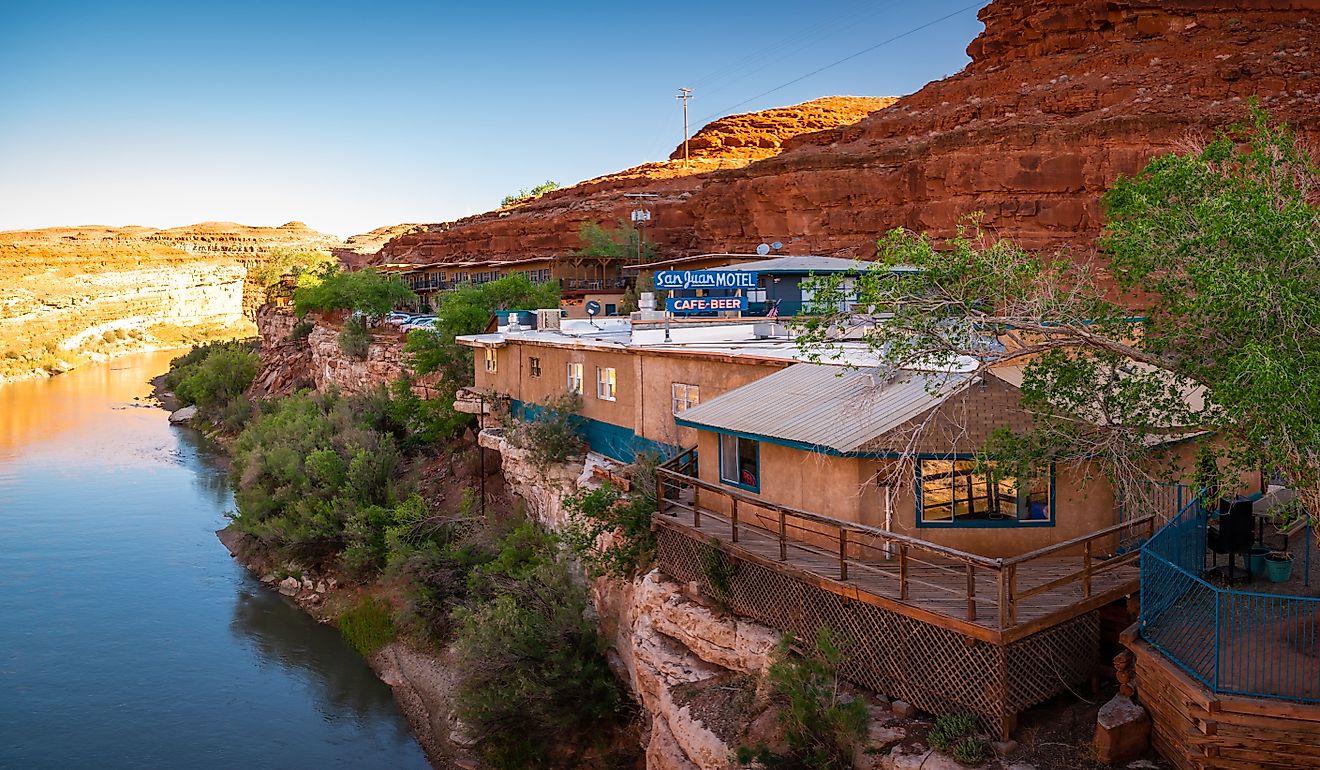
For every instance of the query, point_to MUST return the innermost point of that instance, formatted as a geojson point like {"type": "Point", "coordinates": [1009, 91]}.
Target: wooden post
{"type": "Point", "coordinates": [1086, 570]}
{"type": "Point", "coordinates": [1012, 595]}
{"type": "Point", "coordinates": [696, 506]}
{"type": "Point", "coordinates": [843, 554]}
{"type": "Point", "coordinates": [659, 491]}
{"type": "Point", "coordinates": [783, 537]}
{"type": "Point", "coordinates": [971, 591]}
{"type": "Point", "coordinates": [1003, 597]}
{"type": "Point", "coordinates": [902, 572]}
{"type": "Point", "coordinates": [734, 517]}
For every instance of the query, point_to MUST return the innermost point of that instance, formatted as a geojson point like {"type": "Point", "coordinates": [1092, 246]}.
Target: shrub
{"type": "Point", "coordinates": [301, 330]}
{"type": "Point", "coordinates": [368, 626]}
{"type": "Point", "coordinates": [212, 377]}
{"type": "Point", "coordinates": [309, 465]}
{"type": "Point", "coordinates": [530, 661]}
{"type": "Point", "coordinates": [718, 569]}
{"type": "Point", "coordinates": [550, 432]}
{"type": "Point", "coordinates": [610, 532]}
{"type": "Point", "coordinates": [971, 751]}
{"type": "Point", "coordinates": [823, 730]}
{"type": "Point", "coordinates": [355, 339]}
{"type": "Point", "coordinates": [523, 196]}
{"type": "Point", "coordinates": [949, 729]}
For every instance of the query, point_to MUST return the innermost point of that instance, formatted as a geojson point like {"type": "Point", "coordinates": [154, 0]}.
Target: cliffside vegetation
{"type": "Point", "coordinates": [522, 196]}
{"type": "Point", "coordinates": [467, 310]}
{"type": "Point", "coordinates": [327, 483]}
{"type": "Point", "coordinates": [214, 378]}
{"type": "Point", "coordinates": [366, 292]}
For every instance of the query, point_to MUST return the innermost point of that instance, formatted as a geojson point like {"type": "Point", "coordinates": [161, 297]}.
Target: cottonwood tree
{"type": "Point", "coordinates": [1207, 318]}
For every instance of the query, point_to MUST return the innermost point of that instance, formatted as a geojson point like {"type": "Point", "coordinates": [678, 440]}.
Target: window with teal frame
{"type": "Point", "coordinates": [740, 462]}
{"type": "Point", "coordinates": [959, 493]}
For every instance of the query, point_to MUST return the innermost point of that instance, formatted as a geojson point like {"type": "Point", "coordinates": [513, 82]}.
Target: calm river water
{"type": "Point", "coordinates": [128, 637]}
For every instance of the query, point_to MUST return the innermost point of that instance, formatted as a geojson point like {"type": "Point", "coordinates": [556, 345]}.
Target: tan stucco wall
{"type": "Point", "coordinates": [647, 410]}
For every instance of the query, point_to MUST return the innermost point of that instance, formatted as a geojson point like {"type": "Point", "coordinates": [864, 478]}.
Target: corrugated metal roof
{"type": "Point", "coordinates": [826, 406]}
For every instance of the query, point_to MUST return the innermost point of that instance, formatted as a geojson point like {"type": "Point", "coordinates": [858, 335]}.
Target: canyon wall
{"type": "Point", "coordinates": [1060, 99]}
{"type": "Point", "coordinates": [86, 293]}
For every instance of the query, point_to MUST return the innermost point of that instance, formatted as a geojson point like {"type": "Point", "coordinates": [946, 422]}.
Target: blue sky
{"type": "Point", "coordinates": [353, 115]}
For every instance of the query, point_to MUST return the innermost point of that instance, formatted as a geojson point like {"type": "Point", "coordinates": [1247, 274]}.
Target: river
{"type": "Point", "coordinates": [128, 637]}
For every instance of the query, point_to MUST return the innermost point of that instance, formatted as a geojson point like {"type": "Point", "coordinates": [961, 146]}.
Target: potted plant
{"type": "Point", "coordinates": [1279, 566]}
{"type": "Point", "coordinates": [1256, 560]}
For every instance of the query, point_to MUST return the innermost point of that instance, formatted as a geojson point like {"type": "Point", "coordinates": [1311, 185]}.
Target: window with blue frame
{"type": "Point", "coordinates": [961, 492]}
{"type": "Point", "coordinates": [740, 462]}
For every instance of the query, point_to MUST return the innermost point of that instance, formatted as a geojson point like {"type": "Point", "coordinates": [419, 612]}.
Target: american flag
{"type": "Point", "coordinates": [774, 310]}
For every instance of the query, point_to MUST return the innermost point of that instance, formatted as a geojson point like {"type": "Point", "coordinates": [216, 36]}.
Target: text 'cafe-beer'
{"type": "Point", "coordinates": [733, 284]}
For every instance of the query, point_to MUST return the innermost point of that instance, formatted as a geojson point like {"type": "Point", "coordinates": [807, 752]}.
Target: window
{"type": "Point", "coordinates": [684, 396]}
{"type": "Point", "coordinates": [575, 378]}
{"type": "Point", "coordinates": [953, 492]}
{"type": "Point", "coordinates": [491, 359]}
{"type": "Point", "coordinates": [740, 462]}
{"type": "Point", "coordinates": [534, 365]}
{"type": "Point", "coordinates": [606, 386]}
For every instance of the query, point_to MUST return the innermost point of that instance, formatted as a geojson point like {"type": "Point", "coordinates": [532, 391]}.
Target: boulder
{"type": "Point", "coordinates": [289, 586]}
{"type": "Point", "coordinates": [183, 415]}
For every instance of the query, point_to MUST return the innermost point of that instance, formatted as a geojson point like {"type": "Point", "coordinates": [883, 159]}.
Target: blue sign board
{"type": "Point", "coordinates": [705, 304]}
{"type": "Point", "coordinates": [669, 280]}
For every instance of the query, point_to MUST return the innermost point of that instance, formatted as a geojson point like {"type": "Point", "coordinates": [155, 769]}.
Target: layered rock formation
{"type": "Point", "coordinates": [69, 294]}
{"type": "Point", "coordinates": [1059, 100]}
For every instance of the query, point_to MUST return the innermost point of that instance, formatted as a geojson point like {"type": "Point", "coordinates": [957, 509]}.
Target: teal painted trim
{"type": "Point", "coordinates": [613, 441]}
{"type": "Point", "coordinates": [756, 488]}
{"type": "Point", "coordinates": [978, 523]}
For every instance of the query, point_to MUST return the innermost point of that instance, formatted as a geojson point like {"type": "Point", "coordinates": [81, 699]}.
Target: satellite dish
{"type": "Point", "coordinates": [593, 307]}
{"type": "Point", "coordinates": [776, 245]}
{"type": "Point", "coordinates": [763, 249]}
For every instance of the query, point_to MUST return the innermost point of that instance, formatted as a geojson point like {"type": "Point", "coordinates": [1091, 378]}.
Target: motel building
{"type": "Point", "coordinates": [848, 495]}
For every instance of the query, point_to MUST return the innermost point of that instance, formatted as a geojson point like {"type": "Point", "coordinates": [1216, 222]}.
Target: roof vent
{"type": "Point", "coordinates": [547, 318]}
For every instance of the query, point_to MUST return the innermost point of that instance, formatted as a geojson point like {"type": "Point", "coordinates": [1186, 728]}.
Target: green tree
{"type": "Point", "coordinates": [1217, 247]}
{"type": "Point", "coordinates": [290, 262]}
{"type": "Point", "coordinates": [618, 243]}
{"type": "Point", "coordinates": [467, 310]}
{"type": "Point", "coordinates": [365, 291]}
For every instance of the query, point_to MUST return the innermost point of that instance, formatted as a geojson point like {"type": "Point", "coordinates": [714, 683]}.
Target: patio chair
{"type": "Point", "coordinates": [1230, 532]}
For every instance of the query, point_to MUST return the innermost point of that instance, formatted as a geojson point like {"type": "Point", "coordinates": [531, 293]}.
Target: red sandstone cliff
{"type": "Point", "coordinates": [1060, 98]}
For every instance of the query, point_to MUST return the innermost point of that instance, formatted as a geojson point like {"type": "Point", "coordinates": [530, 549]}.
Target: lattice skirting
{"type": "Point", "coordinates": [936, 669]}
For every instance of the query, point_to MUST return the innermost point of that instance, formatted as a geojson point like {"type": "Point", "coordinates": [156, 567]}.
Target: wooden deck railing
{"type": "Point", "coordinates": [985, 591]}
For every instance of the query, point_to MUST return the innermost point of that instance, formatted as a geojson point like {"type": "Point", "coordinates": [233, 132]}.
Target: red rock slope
{"type": "Point", "coordinates": [1060, 98]}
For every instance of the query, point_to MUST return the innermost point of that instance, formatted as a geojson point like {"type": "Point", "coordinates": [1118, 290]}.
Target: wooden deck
{"type": "Point", "coordinates": [994, 600]}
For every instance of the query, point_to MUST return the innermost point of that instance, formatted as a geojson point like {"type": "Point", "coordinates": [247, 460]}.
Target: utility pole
{"type": "Point", "coordinates": [684, 94]}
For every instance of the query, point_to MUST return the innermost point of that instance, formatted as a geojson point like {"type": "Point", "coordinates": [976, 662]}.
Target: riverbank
{"type": "Point", "coordinates": [422, 680]}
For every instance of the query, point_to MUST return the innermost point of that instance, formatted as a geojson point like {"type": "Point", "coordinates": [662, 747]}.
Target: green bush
{"type": "Point", "coordinates": [301, 330]}
{"type": "Point", "coordinates": [718, 569]}
{"type": "Point", "coordinates": [522, 196]}
{"type": "Point", "coordinates": [530, 661]}
{"type": "Point", "coordinates": [550, 432]}
{"type": "Point", "coordinates": [971, 751]}
{"type": "Point", "coordinates": [308, 465]}
{"type": "Point", "coordinates": [823, 729]}
{"type": "Point", "coordinates": [610, 532]}
{"type": "Point", "coordinates": [213, 377]}
{"type": "Point", "coordinates": [365, 291]}
{"type": "Point", "coordinates": [355, 338]}
{"type": "Point", "coordinates": [368, 626]}
{"type": "Point", "coordinates": [949, 729]}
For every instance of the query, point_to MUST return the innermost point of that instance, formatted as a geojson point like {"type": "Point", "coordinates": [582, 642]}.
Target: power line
{"type": "Point", "coordinates": [848, 58]}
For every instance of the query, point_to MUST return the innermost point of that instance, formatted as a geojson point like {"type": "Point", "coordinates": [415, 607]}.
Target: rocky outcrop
{"type": "Point", "coordinates": [758, 135]}
{"type": "Point", "coordinates": [297, 354]}
{"type": "Point", "coordinates": [1068, 95]}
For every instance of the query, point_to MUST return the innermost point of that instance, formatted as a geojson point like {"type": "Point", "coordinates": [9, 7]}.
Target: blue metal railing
{"type": "Point", "coordinates": [1233, 642]}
